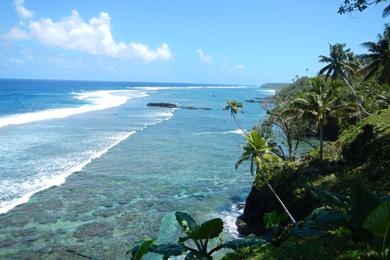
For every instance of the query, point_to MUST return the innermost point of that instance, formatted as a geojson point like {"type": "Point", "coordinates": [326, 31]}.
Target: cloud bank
{"type": "Point", "coordinates": [73, 33]}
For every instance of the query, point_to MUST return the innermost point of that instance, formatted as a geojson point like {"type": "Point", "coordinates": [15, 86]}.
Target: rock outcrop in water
{"type": "Point", "coordinates": [170, 105]}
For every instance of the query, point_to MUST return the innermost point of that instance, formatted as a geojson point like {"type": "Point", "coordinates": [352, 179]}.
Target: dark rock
{"type": "Point", "coordinates": [170, 105]}
{"type": "Point", "coordinates": [167, 105]}
{"type": "Point", "coordinates": [194, 108]}
{"type": "Point", "coordinates": [251, 101]}
{"type": "Point", "coordinates": [261, 201]}
{"type": "Point", "coordinates": [24, 232]}
{"type": "Point", "coordinates": [105, 213]}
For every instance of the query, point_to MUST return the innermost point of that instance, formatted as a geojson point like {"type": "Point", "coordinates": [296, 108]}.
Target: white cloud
{"type": "Point", "coordinates": [239, 67]}
{"type": "Point", "coordinates": [231, 68]}
{"type": "Point", "coordinates": [93, 36]}
{"type": "Point", "coordinates": [22, 11]}
{"type": "Point", "coordinates": [16, 60]}
{"type": "Point", "coordinates": [204, 57]}
{"type": "Point", "coordinates": [15, 33]}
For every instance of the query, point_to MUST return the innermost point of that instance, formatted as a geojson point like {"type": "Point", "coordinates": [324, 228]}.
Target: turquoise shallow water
{"type": "Point", "coordinates": [146, 163]}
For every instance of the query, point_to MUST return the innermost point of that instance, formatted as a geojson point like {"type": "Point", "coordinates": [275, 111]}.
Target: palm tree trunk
{"type": "Point", "coordinates": [289, 147]}
{"type": "Point", "coordinates": [356, 97]}
{"type": "Point", "coordinates": [238, 124]}
{"type": "Point", "coordinates": [321, 141]}
{"type": "Point", "coordinates": [281, 203]}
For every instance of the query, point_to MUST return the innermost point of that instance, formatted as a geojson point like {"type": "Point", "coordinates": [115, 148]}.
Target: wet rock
{"type": "Point", "coordinates": [105, 213]}
{"type": "Point", "coordinates": [170, 105]}
{"type": "Point", "coordinates": [96, 229]}
{"type": "Point", "coordinates": [250, 101]}
{"type": "Point", "coordinates": [167, 105]}
{"type": "Point", "coordinates": [7, 243]}
{"type": "Point", "coordinates": [24, 232]}
{"type": "Point", "coordinates": [13, 221]}
{"type": "Point", "coordinates": [47, 218]}
{"type": "Point", "coordinates": [261, 201]}
{"type": "Point", "coordinates": [194, 108]}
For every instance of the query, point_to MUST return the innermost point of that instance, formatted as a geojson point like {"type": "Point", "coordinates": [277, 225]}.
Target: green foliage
{"type": "Point", "coordinates": [243, 243]}
{"type": "Point", "coordinates": [320, 103]}
{"type": "Point", "coordinates": [210, 229]}
{"type": "Point", "coordinates": [299, 86]}
{"type": "Point", "coordinates": [362, 203]}
{"type": "Point", "coordinates": [349, 102]}
{"type": "Point", "coordinates": [379, 57]}
{"type": "Point", "coordinates": [257, 151]}
{"type": "Point", "coordinates": [141, 249]}
{"type": "Point", "coordinates": [326, 246]}
{"type": "Point", "coordinates": [187, 224]}
{"type": "Point", "coordinates": [325, 219]}
{"type": "Point", "coordinates": [233, 106]}
{"type": "Point", "coordinates": [378, 223]}
{"type": "Point", "coordinates": [329, 198]}
{"type": "Point", "coordinates": [274, 218]}
{"type": "Point", "coordinates": [360, 5]}
{"type": "Point", "coordinates": [198, 235]}
{"type": "Point", "coordinates": [341, 62]}
{"type": "Point", "coordinates": [168, 250]}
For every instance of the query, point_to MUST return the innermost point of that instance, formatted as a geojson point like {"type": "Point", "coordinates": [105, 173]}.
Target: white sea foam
{"type": "Point", "coordinates": [230, 216]}
{"type": "Point", "coordinates": [192, 87]}
{"type": "Point", "coordinates": [270, 91]}
{"type": "Point", "coordinates": [28, 187]}
{"type": "Point", "coordinates": [98, 100]}
{"type": "Point", "coordinates": [22, 190]}
{"type": "Point", "coordinates": [237, 131]}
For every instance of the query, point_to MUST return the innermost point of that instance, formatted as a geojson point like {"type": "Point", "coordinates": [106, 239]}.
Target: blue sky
{"type": "Point", "coordinates": [219, 41]}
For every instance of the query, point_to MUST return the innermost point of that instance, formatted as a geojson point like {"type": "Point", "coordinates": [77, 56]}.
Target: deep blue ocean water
{"type": "Point", "coordinates": [87, 166]}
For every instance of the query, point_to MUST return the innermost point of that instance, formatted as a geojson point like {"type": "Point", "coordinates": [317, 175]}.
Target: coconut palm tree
{"type": "Point", "coordinates": [259, 153]}
{"type": "Point", "coordinates": [318, 104]}
{"type": "Point", "coordinates": [234, 107]}
{"type": "Point", "coordinates": [386, 11]}
{"type": "Point", "coordinates": [379, 57]}
{"type": "Point", "coordinates": [342, 63]}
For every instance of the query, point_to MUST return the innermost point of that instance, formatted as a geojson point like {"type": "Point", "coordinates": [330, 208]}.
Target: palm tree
{"type": "Point", "coordinates": [258, 152]}
{"type": "Point", "coordinates": [342, 63]}
{"type": "Point", "coordinates": [386, 11]}
{"type": "Point", "coordinates": [234, 107]}
{"type": "Point", "coordinates": [379, 57]}
{"type": "Point", "coordinates": [318, 104]}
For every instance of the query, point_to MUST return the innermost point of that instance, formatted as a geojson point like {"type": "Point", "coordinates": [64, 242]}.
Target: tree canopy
{"type": "Point", "coordinates": [360, 5]}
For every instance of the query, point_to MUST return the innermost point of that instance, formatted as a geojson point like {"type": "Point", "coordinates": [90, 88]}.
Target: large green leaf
{"type": "Point", "coordinates": [210, 229]}
{"type": "Point", "coordinates": [378, 221]}
{"type": "Point", "coordinates": [362, 203]}
{"type": "Point", "coordinates": [141, 249]}
{"type": "Point", "coordinates": [241, 243]}
{"type": "Point", "coordinates": [329, 198]}
{"type": "Point", "coordinates": [324, 218]}
{"type": "Point", "coordinates": [168, 250]}
{"type": "Point", "coordinates": [187, 224]}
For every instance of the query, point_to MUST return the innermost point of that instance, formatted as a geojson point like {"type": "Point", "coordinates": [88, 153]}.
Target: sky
{"type": "Point", "coordinates": [202, 41]}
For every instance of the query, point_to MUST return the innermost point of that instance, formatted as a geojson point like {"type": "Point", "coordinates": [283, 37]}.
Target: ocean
{"type": "Point", "coordinates": [87, 166]}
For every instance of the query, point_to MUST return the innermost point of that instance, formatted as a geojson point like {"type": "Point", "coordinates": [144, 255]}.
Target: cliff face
{"type": "Point", "coordinates": [360, 152]}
